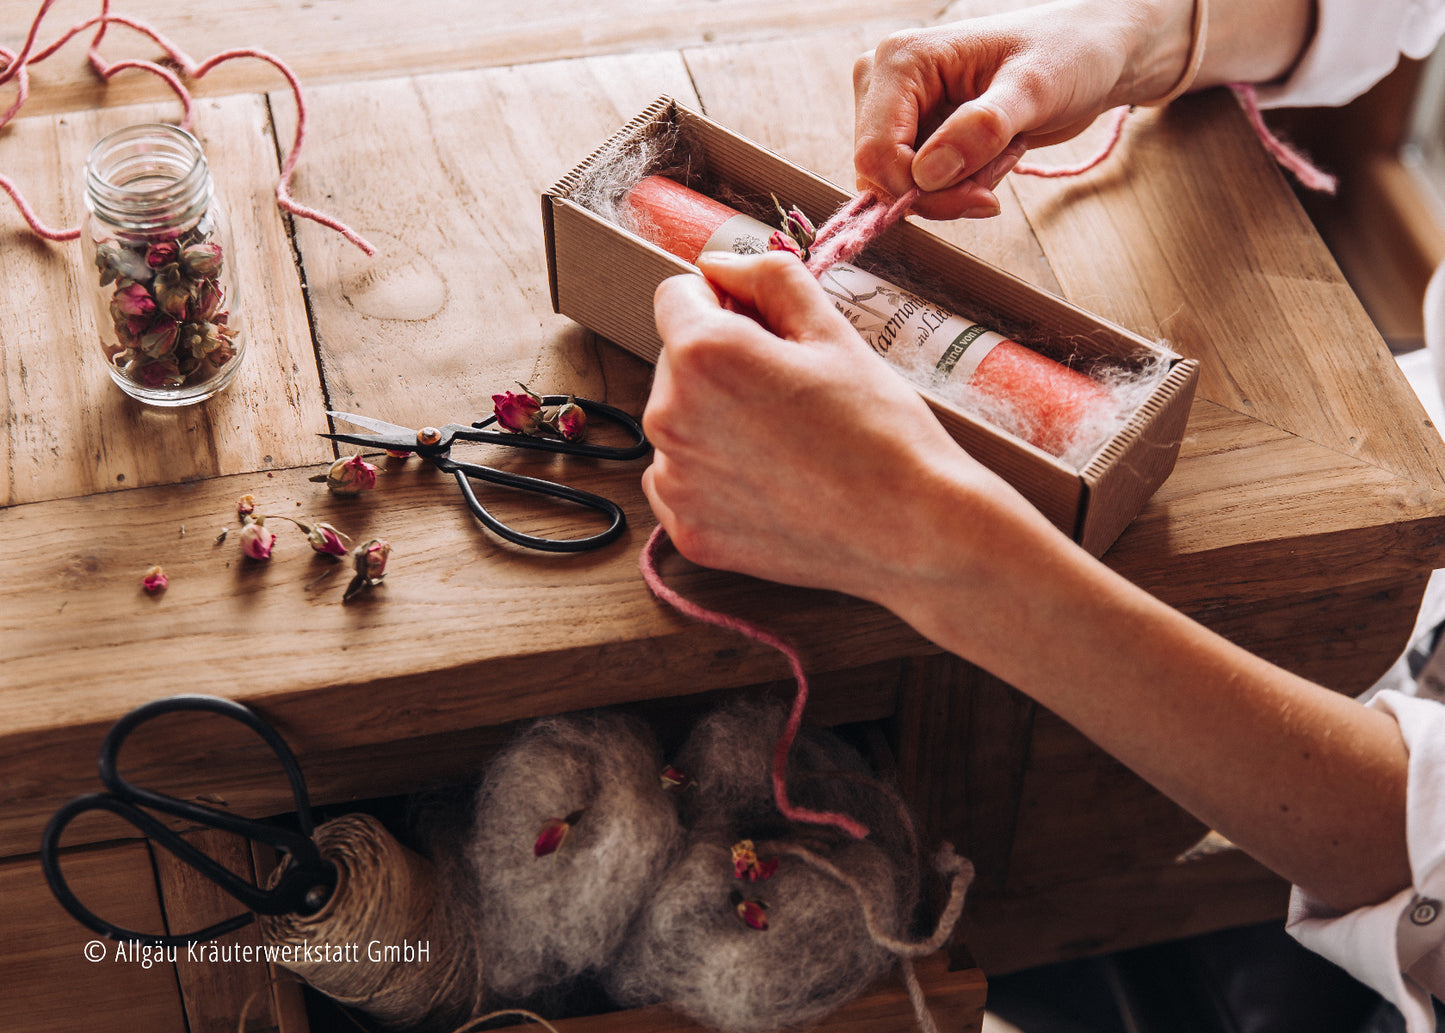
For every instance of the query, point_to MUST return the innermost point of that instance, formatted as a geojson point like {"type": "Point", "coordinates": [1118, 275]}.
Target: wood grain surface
{"type": "Point", "coordinates": [69, 431]}
{"type": "Point", "coordinates": [51, 985]}
{"type": "Point", "coordinates": [1301, 520]}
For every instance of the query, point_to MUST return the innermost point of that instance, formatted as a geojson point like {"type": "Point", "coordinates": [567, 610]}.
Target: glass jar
{"type": "Point", "coordinates": [165, 298]}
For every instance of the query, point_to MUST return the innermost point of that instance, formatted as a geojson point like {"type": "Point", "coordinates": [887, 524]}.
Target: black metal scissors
{"type": "Point", "coordinates": [304, 886]}
{"type": "Point", "coordinates": [434, 445]}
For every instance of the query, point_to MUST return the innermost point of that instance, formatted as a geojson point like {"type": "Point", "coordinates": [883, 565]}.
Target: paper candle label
{"type": "Point", "coordinates": [929, 342]}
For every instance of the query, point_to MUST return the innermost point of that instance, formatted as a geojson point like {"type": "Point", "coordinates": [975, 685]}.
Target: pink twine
{"type": "Point", "coordinates": [1307, 173]}
{"type": "Point", "coordinates": [18, 65]}
{"type": "Point", "coordinates": [856, 225]}
{"type": "Point", "coordinates": [1304, 170]}
{"type": "Point", "coordinates": [1117, 118]}
{"type": "Point", "coordinates": [851, 229]}
{"type": "Point", "coordinates": [648, 563]}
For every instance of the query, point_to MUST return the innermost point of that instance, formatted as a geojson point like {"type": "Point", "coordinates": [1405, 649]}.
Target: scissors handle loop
{"type": "Point", "coordinates": [303, 887]}
{"type": "Point", "coordinates": [465, 473]}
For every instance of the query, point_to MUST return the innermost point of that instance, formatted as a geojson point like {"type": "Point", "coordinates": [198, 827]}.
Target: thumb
{"type": "Point", "coordinates": [975, 134]}
{"type": "Point", "coordinates": [780, 290]}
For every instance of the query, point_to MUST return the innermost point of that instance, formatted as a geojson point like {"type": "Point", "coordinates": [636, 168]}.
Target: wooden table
{"type": "Point", "coordinates": [1301, 521]}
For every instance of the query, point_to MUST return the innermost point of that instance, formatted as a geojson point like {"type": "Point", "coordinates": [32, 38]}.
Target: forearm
{"type": "Point", "coordinates": [1307, 781]}
{"type": "Point", "coordinates": [1253, 41]}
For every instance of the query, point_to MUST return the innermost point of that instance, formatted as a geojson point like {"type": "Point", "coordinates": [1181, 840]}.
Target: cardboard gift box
{"type": "Point", "coordinates": [604, 277]}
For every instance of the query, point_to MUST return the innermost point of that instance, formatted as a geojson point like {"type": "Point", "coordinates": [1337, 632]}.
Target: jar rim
{"type": "Point", "coordinates": [148, 176]}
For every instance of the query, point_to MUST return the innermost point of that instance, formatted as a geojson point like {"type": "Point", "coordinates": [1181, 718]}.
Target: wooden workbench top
{"type": "Point", "coordinates": [1301, 520]}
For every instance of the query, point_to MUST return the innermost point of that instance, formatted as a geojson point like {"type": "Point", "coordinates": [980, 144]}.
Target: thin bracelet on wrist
{"type": "Point", "coordinates": [1198, 29]}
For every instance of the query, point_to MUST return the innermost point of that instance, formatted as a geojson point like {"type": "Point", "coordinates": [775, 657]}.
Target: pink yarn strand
{"type": "Point", "coordinates": [18, 68]}
{"type": "Point", "coordinates": [856, 225]}
{"type": "Point", "coordinates": [859, 222]}
{"type": "Point", "coordinates": [1117, 118]}
{"type": "Point", "coordinates": [20, 60]}
{"type": "Point", "coordinates": [1304, 170]}
{"type": "Point", "coordinates": [37, 227]}
{"type": "Point", "coordinates": [647, 562]}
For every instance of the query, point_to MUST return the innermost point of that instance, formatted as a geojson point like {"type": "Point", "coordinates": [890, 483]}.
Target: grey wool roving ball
{"type": "Point", "coordinates": [551, 916]}
{"type": "Point", "coordinates": [693, 951]}
{"type": "Point", "coordinates": [729, 756]}
{"type": "Point", "coordinates": [697, 945]}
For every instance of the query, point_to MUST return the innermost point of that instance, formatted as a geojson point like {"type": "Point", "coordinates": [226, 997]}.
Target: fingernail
{"type": "Point", "coordinates": [982, 211]}
{"type": "Point", "coordinates": [719, 257]}
{"type": "Point", "coordinates": [938, 168]}
{"type": "Point", "coordinates": [998, 169]}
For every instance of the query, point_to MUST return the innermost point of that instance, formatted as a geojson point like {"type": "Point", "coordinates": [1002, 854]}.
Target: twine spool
{"type": "Point", "coordinates": [386, 896]}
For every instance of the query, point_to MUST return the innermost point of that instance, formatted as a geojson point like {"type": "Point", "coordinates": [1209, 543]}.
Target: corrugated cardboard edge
{"type": "Point", "coordinates": [1128, 470]}
{"type": "Point", "coordinates": [661, 110]}
{"type": "Point", "coordinates": [604, 278]}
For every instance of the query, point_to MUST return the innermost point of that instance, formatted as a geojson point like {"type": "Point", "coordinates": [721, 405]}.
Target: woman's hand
{"type": "Point", "coordinates": [798, 454]}
{"type": "Point", "coordinates": [951, 109]}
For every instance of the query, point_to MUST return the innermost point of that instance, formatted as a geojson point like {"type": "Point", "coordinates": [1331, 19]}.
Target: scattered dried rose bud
{"type": "Point", "coordinates": [324, 538]}
{"type": "Point", "coordinates": [155, 580]}
{"type": "Point", "coordinates": [245, 505]}
{"type": "Point", "coordinates": [518, 412]}
{"type": "Point", "coordinates": [752, 912]}
{"type": "Point", "coordinates": [675, 781]}
{"type": "Point", "coordinates": [398, 453]}
{"type": "Point", "coordinates": [350, 475]}
{"type": "Point", "coordinates": [369, 560]}
{"type": "Point", "coordinates": [256, 541]}
{"type": "Point", "coordinates": [554, 833]}
{"type": "Point", "coordinates": [568, 420]}
{"type": "Point", "coordinates": [746, 864]}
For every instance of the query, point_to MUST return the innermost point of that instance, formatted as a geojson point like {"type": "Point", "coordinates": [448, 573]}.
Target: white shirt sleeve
{"type": "Point", "coordinates": [1356, 44]}
{"type": "Point", "coordinates": [1398, 947]}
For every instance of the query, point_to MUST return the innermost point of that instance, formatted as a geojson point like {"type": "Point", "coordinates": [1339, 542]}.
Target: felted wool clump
{"type": "Point", "coordinates": [729, 757]}
{"type": "Point", "coordinates": [693, 949]}
{"type": "Point", "coordinates": [697, 945]}
{"type": "Point", "coordinates": [551, 916]}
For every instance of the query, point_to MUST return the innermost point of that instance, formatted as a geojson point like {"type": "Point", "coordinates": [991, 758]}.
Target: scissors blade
{"type": "Point", "coordinates": [380, 426]}
{"type": "Point", "coordinates": [386, 435]}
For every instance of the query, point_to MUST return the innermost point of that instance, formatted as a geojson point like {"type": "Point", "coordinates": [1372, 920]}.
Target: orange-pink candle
{"type": "Point", "coordinates": [1039, 399]}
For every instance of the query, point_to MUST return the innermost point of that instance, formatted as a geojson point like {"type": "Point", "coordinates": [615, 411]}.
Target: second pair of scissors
{"type": "Point", "coordinates": [434, 444]}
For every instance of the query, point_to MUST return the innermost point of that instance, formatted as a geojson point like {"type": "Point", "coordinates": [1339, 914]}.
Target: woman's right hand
{"type": "Point", "coordinates": [951, 109]}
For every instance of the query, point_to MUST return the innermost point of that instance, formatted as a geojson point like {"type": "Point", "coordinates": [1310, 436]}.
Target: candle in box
{"type": "Point", "coordinates": [603, 274]}
{"type": "Point", "coordinates": [1042, 401]}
